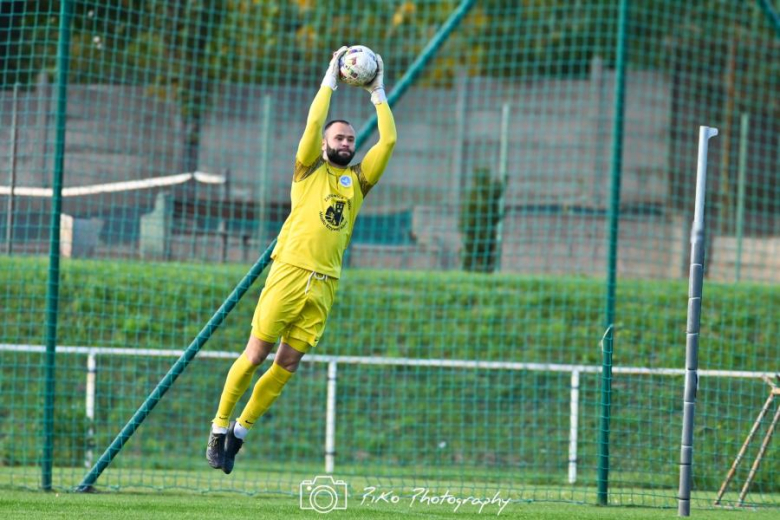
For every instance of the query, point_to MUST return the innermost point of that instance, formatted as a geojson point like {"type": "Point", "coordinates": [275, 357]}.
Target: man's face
{"type": "Point", "coordinates": [339, 143]}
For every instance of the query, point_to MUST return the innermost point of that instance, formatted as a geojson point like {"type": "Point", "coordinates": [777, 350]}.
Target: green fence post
{"type": "Point", "coordinates": [614, 214]}
{"type": "Point", "coordinates": [53, 283]}
{"type": "Point", "coordinates": [771, 15]}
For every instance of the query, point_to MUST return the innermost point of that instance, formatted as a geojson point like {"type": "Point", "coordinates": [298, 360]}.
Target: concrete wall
{"type": "Point", "coordinates": [559, 148]}
{"type": "Point", "coordinates": [559, 137]}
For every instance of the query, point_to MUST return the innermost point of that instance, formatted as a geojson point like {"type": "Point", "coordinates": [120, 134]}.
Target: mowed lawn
{"type": "Point", "coordinates": [37, 504]}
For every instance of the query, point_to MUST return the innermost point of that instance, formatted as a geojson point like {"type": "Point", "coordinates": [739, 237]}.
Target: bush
{"type": "Point", "coordinates": [479, 217]}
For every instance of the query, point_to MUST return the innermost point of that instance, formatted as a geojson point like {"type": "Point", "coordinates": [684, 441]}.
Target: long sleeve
{"type": "Point", "coordinates": [309, 147]}
{"type": "Point", "coordinates": [375, 161]}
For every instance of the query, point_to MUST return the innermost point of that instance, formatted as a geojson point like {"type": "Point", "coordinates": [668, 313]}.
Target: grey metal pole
{"type": "Point", "coordinates": [264, 181]}
{"type": "Point", "coordinates": [695, 283]}
{"type": "Point", "coordinates": [90, 407]}
{"type": "Point", "coordinates": [744, 123]}
{"type": "Point", "coordinates": [504, 177]}
{"type": "Point", "coordinates": [330, 419]}
{"type": "Point", "coordinates": [458, 173]}
{"type": "Point", "coordinates": [9, 218]}
{"type": "Point", "coordinates": [223, 221]}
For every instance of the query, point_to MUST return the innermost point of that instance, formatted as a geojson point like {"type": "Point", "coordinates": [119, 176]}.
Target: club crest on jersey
{"type": "Point", "coordinates": [336, 216]}
{"type": "Point", "coordinates": [345, 180]}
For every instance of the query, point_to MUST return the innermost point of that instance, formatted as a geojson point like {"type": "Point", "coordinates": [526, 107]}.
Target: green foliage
{"type": "Point", "coordinates": [479, 217]}
{"type": "Point", "coordinates": [152, 41]}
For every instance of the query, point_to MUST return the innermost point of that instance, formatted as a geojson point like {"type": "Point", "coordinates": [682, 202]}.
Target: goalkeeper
{"type": "Point", "coordinates": [327, 194]}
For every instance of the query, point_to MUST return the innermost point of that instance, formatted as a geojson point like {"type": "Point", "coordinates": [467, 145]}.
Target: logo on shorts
{"type": "Point", "coordinates": [345, 180]}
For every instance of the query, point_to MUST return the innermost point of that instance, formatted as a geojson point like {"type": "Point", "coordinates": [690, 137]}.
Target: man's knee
{"type": "Point", "coordinates": [257, 349]}
{"type": "Point", "coordinates": [288, 357]}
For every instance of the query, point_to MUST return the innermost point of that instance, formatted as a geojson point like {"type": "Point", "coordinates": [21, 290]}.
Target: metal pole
{"type": "Point", "coordinates": [744, 121]}
{"type": "Point", "coordinates": [330, 420]}
{"type": "Point", "coordinates": [224, 210]}
{"type": "Point", "coordinates": [265, 151]}
{"type": "Point", "coordinates": [504, 176]}
{"type": "Point", "coordinates": [9, 218]}
{"type": "Point", "coordinates": [176, 370]}
{"type": "Point", "coordinates": [695, 283]}
{"type": "Point", "coordinates": [771, 15]}
{"type": "Point", "coordinates": [458, 174]}
{"type": "Point", "coordinates": [90, 407]}
{"type": "Point", "coordinates": [574, 414]}
{"type": "Point", "coordinates": [43, 93]}
{"type": "Point", "coordinates": [53, 284]}
{"type": "Point", "coordinates": [614, 214]}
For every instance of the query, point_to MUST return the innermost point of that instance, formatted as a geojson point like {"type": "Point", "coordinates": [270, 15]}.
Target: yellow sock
{"type": "Point", "coordinates": [266, 390]}
{"type": "Point", "coordinates": [237, 382]}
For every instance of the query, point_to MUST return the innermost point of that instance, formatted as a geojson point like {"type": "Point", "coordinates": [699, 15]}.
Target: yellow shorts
{"type": "Point", "coordinates": [294, 304]}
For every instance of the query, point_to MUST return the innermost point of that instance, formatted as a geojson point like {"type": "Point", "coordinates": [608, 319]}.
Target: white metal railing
{"type": "Point", "coordinates": [334, 361]}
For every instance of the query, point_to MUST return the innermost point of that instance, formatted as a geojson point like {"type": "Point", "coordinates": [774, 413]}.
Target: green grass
{"type": "Point", "coordinates": [399, 422]}
{"type": "Point", "coordinates": [30, 504]}
{"type": "Point", "coordinates": [404, 313]}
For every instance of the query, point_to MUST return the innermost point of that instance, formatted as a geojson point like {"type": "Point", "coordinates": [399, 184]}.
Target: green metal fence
{"type": "Point", "coordinates": [513, 309]}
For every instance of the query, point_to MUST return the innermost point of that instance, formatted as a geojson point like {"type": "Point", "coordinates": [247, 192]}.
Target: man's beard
{"type": "Point", "coordinates": [337, 158]}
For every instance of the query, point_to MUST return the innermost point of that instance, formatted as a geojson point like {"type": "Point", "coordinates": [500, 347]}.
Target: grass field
{"type": "Point", "coordinates": [32, 504]}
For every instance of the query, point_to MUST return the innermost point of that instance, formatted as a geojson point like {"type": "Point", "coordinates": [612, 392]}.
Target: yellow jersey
{"type": "Point", "coordinates": [326, 199]}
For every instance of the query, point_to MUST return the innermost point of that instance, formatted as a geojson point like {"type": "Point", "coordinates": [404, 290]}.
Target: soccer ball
{"type": "Point", "coordinates": [357, 67]}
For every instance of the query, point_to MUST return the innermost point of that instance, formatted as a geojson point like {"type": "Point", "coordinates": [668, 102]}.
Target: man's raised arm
{"type": "Point", "coordinates": [375, 161]}
{"type": "Point", "coordinates": [309, 147]}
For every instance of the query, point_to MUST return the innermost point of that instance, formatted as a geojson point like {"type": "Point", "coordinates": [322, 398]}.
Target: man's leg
{"type": "Point", "coordinates": [239, 377]}
{"type": "Point", "coordinates": [270, 385]}
{"type": "Point", "coordinates": [266, 391]}
{"type": "Point", "coordinates": [236, 384]}
{"type": "Point", "coordinates": [297, 340]}
{"type": "Point", "coordinates": [306, 299]}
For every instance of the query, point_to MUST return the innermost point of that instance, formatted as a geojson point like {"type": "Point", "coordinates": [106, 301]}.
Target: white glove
{"type": "Point", "coordinates": [332, 74]}
{"type": "Point", "coordinates": [377, 85]}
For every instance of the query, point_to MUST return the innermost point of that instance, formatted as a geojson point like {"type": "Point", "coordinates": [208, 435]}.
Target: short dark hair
{"type": "Point", "coordinates": [333, 122]}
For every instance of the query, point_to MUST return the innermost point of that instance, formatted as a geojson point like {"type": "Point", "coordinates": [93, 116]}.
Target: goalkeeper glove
{"type": "Point", "coordinates": [332, 74]}
{"type": "Point", "coordinates": [377, 85]}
